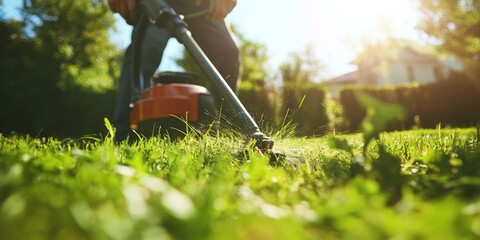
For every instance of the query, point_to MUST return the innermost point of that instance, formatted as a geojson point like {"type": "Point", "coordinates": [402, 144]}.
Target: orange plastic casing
{"type": "Point", "coordinates": [167, 100]}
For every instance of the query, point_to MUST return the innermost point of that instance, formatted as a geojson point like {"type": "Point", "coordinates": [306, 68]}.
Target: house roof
{"type": "Point", "coordinates": [346, 78]}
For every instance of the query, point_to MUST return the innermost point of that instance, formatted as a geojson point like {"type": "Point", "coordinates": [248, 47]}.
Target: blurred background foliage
{"type": "Point", "coordinates": [57, 68]}
{"type": "Point", "coordinates": [456, 24]}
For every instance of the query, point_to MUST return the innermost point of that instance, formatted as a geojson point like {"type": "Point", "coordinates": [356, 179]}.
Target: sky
{"type": "Point", "coordinates": [334, 29]}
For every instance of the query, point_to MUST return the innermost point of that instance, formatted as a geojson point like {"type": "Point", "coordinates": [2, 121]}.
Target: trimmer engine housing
{"type": "Point", "coordinates": [170, 103]}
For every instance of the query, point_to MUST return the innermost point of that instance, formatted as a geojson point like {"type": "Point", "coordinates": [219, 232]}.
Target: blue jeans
{"type": "Point", "coordinates": [213, 37]}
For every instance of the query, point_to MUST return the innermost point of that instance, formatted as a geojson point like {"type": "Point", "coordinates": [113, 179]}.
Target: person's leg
{"type": "Point", "coordinates": [153, 45]}
{"type": "Point", "coordinates": [216, 40]}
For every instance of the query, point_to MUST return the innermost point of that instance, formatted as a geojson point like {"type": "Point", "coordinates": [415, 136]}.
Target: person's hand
{"type": "Point", "coordinates": [222, 8]}
{"type": "Point", "coordinates": [126, 8]}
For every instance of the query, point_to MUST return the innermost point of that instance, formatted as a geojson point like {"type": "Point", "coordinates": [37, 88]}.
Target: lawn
{"type": "Point", "coordinates": [418, 184]}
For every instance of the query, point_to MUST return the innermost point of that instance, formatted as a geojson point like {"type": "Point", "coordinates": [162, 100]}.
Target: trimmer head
{"type": "Point", "coordinates": [262, 141]}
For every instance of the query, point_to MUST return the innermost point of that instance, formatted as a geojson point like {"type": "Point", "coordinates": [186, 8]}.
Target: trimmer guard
{"type": "Point", "coordinates": [165, 104]}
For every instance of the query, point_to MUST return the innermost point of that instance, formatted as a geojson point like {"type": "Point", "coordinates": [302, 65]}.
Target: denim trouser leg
{"type": "Point", "coordinates": [154, 43]}
{"type": "Point", "coordinates": [215, 39]}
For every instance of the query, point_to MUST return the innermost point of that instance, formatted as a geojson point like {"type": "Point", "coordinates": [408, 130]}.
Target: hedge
{"type": "Point", "coordinates": [73, 114]}
{"type": "Point", "coordinates": [259, 102]}
{"type": "Point", "coordinates": [304, 105]}
{"type": "Point", "coordinates": [452, 102]}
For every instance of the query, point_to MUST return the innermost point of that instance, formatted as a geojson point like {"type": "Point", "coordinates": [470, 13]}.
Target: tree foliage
{"type": "Point", "coordinates": [456, 23]}
{"type": "Point", "coordinates": [76, 35]}
{"type": "Point", "coordinates": [302, 67]}
{"type": "Point", "coordinates": [57, 68]}
{"type": "Point", "coordinates": [254, 62]}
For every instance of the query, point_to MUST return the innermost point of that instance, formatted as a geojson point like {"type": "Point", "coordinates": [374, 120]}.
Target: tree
{"type": "Point", "coordinates": [456, 24]}
{"type": "Point", "coordinates": [76, 35]}
{"type": "Point", "coordinates": [2, 12]}
{"type": "Point", "coordinates": [254, 63]}
{"type": "Point", "coordinates": [302, 67]}
{"type": "Point", "coordinates": [57, 68]}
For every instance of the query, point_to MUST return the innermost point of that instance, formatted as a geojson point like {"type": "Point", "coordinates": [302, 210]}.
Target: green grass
{"type": "Point", "coordinates": [421, 184]}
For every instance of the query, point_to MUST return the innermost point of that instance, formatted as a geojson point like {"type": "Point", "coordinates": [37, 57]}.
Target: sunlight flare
{"type": "Point", "coordinates": [357, 20]}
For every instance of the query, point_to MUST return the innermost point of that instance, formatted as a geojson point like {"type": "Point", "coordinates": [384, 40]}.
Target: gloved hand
{"type": "Point", "coordinates": [222, 8]}
{"type": "Point", "coordinates": [126, 8]}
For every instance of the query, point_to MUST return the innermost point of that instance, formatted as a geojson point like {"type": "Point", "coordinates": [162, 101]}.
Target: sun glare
{"type": "Point", "coordinates": [365, 16]}
{"type": "Point", "coordinates": [354, 19]}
